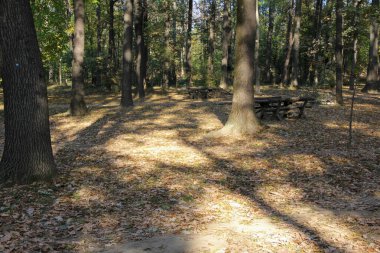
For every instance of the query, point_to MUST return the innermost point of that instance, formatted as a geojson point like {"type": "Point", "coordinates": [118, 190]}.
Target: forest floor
{"type": "Point", "coordinates": [149, 180]}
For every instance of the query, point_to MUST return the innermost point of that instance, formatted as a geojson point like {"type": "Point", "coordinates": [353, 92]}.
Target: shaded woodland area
{"type": "Point", "coordinates": [190, 126]}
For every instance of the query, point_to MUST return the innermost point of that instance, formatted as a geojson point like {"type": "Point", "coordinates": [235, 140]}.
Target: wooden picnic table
{"type": "Point", "coordinates": [280, 107]}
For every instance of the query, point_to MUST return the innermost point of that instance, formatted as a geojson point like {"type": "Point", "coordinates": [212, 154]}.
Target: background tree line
{"type": "Point", "coordinates": [296, 41]}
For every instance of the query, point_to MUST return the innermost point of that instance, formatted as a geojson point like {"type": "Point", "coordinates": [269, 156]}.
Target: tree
{"type": "Point", "coordinates": [98, 45]}
{"type": "Point", "coordinates": [78, 105]}
{"type": "Point", "coordinates": [112, 61]}
{"type": "Point", "coordinates": [211, 43]}
{"type": "Point", "coordinates": [139, 32]}
{"type": "Point", "coordinates": [242, 119]}
{"type": "Point", "coordinates": [256, 80]}
{"type": "Point", "coordinates": [167, 57]}
{"type": "Point", "coordinates": [356, 5]}
{"type": "Point", "coordinates": [188, 43]}
{"type": "Point", "coordinates": [126, 80]}
{"type": "Point", "coordinates": [268, 60]}
{"type": "Point", "coordinates": [339, 51]}
{"type": "Point", "coordinates": [227, 34]}
{"type": "Point", "coordinates": [373, 80]}
{"type": "Point", "coordinates": [27, 154]}
{"type": "Point", "coordinates": [296, 45]}
{"type": "Point", "coordinates": [316, 42]}
{"type": "Point", "coordinates": [289, 46]}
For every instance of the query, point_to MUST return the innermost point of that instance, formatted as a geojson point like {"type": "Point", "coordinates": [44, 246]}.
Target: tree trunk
{"type": "Point", "coordinates": [173, 70]}
{"type": "Point", "coordinates": [242, 119]}
{"type": "Point", "coordinates": [139, 30]}
{"type": "Point", "coordinates": [111, 39]}
{"type": "Point", "coordinates": [373, 81]}
{"type": "Point", "coordinates": [78, 106]}
{"type": "Point", "coordinates": [226, 44]}
{"type": "Point", "coordinates": [339, 51]}
{"type": "Point", "coordinates": [268, 60]}
{"type": "Point", "coordinates": [211, 44]}
{"type": "Point", "coordinates": [316, 43]}
{"type": "Point", "coordinates": [59, 72]}
{"type": "Point", "coordinates": [256, 80]}
{"type": "Point", "coordinates": [126, 80]}
{"type": "Point", "coordinates": [144, 63]}
{"type": "Point", "coordinates": [27, 154]}
{"type": "Point", "coordinates": [356, 5]}
{"type": "Point", "coordinates": [289, 46]}
{"type": "Point", "coordinates": [188, 43]}
{"type": "Point", "coordinates": [167, 54]}
{"type": "Point", "coordinates": [296, 45]}
{"type": "Point", "coordinates": [99, 46]}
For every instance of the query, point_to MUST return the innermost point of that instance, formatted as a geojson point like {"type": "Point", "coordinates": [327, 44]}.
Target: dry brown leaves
{"type": "Point", "coordinates": [129, 175]}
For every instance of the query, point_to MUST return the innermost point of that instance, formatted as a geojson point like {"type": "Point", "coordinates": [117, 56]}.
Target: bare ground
{"type": "Point", "coordinates": [148, 180]}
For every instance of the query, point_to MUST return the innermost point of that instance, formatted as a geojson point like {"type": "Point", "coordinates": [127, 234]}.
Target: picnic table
{"type": "Point", "coordinates": [281, 107]}
{"type": "Point", "coordinates": [206, 92]}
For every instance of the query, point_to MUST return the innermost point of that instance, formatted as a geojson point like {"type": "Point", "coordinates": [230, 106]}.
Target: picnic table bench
{"type": "Point", "coordinates": [281, 107]}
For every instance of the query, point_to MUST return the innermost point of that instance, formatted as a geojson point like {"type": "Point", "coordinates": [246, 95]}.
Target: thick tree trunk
{"type": "Point", "coordinates": [289, 46]}
{"type": "Point", "coordinates": [226, 44]}
{"type": "Point", "coordinates": [242, 119]}
{"type": "Point", "coordinates": [139, 31]}
{"type": "Point", "coordinates": [126, 80]}
{"type": "Point", "coordinates": [78, 106]}
{"type": "Point", "coordinates": [356, 5]}
{"type": "Point", "coordinates": [296, 45]}
{"type": "Point", "coordinates": [373, 80]}
{"type": "Point", "coordinates": [188, 43]}
{"type": "Point", "coordinates": [339, 51]}
{"type": "Point", "coordinates": [27, 154]}
{"type": "Point", "coordinates": [211, 44]}
{"type": "Point", "coordinates": [268, 60]}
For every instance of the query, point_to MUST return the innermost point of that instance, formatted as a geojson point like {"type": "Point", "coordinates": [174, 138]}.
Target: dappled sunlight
{"type": "Point", "coordinates": [329, 223]}
{"type": "Point", "coordinates": [152, 172]}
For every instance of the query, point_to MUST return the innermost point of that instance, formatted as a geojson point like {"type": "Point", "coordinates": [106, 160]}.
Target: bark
{"type": "Point", "coordinates": [188, 43]}
{"type": "Point", "coordinates": [27, 154]}
{"type": "Point", "coordinates": [139, 31]}
{"type": "Point", "coordinates": [167, 78]}
{"type": "Point", "coordinates": [78, 106]}
{"type": "Point", "coordinates": [242, 119]}
{"type": "Point", "coordinates": [373, 80]}
{"type": "Point", "coordinates": [226, 44]}
{"type": "Point", "coordinates": [99, 46]}
{"type": "Point", "coordinates": [296, 45]}
{"type": "Point", "coordinates": [144, 60]}
{"type": "Point", "coordinates": [256, 80]}
{"type": "Point", "coordinates": [211, 44]}
{"type": "Point", "coordinates": [126, 80]}
{"type": "Point", "coordinates": [316, 43]}
{"type": "Point", "coordinates": [339, 51]}
{"type": "Point", "coordinates": [289, 46]}
{"type": "Point", "coordinates": [59, 72]}
{"type": "Point", "coordinates": [173, 70]}
{"type": "Point", "coordinates": [268, 60]}
{"type": "Point", "coordinates": [356, 4]}
{"type": "Point", "coordinates": [111, 39]}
